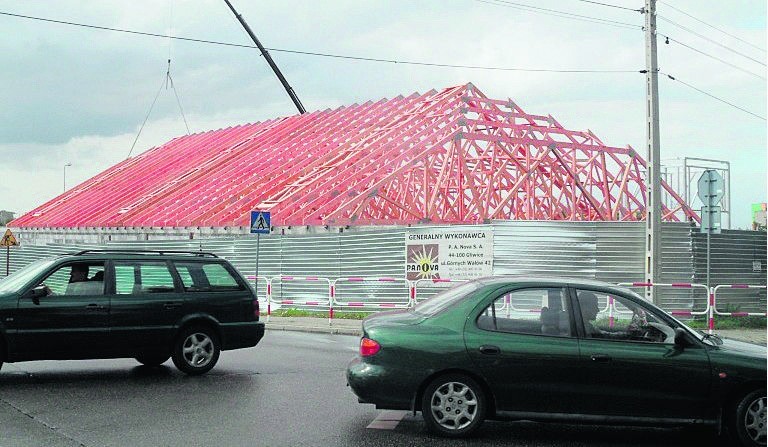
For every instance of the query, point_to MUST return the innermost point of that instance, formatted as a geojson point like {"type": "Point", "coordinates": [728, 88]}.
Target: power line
{"type": "Point", "coordinates": [318, 54]}
{"type": "Point", "coordinates": [712, 96]}
{"type": "Point", "coordinates": [713, 57]}
{"type": "Point", "coordinates": [559, 13]}
{"type": "Point", "coordinates": [714, 27]}
{"type": "Point", "coordinates": [610, 6]}
{"type": "Point", "coordinates": [710, 40]}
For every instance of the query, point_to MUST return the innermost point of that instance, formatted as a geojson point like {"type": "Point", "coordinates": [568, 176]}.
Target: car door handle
{"type": "Point", "coordinates": [601, 358]}
{"type": "Point", "coordinates": [490, 350]}
{"type": "Point", "coordinates": [170, 306]}
{"type": "Point", "coordinates": [94, 306]}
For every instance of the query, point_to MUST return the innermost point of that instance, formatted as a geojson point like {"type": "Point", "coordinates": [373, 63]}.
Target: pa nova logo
{"type": "Point", "coordinates": [423, 262]}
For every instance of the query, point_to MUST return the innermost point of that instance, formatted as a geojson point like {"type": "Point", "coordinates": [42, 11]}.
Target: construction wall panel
{"type": "Point", "coordinates": [737, 257]}
{"type": "Point", "coordinates": [606, 251]}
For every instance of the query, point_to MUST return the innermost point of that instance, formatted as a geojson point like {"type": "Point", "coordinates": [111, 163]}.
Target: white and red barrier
{"type": "Point", "coordinates": [331, 301]}
{"type": "Point", "coordinates": [679, 285]}
{"type": "Point", "coordinates": [325, 303]}
{"type": "Point", "coordinates": [681, 313]}
{"type": "Point", "coordinates": [267, 288]}
{"type": "Point", "coordinates": [371, 304]}
{"type": "Point", "coordinates": [732, 287]}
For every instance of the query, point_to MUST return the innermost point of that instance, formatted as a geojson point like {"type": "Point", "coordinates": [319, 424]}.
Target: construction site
{"type": "Point", "coordinates": [346, 188]}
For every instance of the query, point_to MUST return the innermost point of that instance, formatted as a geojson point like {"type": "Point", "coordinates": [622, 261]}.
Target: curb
{"type": "Point", "coordinates": [314, 329]}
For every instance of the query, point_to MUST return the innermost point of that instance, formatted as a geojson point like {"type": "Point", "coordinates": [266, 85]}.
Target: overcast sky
{"type": "Point", "coordinates": [77, 95]}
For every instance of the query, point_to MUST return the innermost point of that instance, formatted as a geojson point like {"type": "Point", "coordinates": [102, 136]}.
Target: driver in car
{"type": "Point", "coordinates": [589, 311]}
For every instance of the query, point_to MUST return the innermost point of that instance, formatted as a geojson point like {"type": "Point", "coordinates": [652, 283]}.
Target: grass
{"type": "Point", "coordinates": [751, 322]}
{"type": "Point", "coordinates": [315, 314]}
{"type": "Point", "coordinates": [721, 322]}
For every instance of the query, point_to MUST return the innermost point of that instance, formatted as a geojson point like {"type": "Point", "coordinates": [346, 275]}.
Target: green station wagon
{"type": "Point", "coordinates": [556, 350]}
{"type": "Point", "coordinates": [147, 305]}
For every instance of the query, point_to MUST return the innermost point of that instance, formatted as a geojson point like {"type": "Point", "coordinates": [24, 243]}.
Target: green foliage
{"type": "Point", "coordinates": [314, 314]}
{"type": "Point", "coordinates": [751, 322]}
{"type": "Point", "coordinates": [723, 322]}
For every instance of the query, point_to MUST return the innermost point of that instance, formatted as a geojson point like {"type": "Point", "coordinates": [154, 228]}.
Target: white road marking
{"type": "Point", "coordinates": [387, 419]}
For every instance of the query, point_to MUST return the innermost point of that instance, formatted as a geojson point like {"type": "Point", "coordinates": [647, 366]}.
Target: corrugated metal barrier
{"type": "Point", "coordinates": [608, 251]}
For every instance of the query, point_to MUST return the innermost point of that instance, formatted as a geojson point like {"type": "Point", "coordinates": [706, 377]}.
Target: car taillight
{"type": "Point", "coordinates": [256, 309]}
{"type": "Point", "coordinates": [369, 347]}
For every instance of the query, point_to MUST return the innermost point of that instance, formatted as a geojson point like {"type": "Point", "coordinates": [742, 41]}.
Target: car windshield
{"type": "Point", "coordinates": [20, 278]}
{"type": "Point", "coordinates": [445, 299]}
{"type": "Point", "coordinates": [698, 334]}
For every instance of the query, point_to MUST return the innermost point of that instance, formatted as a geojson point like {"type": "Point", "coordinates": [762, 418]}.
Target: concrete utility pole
{"type": "Point", "coordinates": [653, 170]}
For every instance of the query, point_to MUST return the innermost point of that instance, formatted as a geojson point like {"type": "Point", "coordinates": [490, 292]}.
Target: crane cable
{"type": "Point", "coordinates": [167, 80]}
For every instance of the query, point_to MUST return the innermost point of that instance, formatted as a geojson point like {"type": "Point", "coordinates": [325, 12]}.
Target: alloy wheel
{"type": "Point", "coordinates": [198, 349]}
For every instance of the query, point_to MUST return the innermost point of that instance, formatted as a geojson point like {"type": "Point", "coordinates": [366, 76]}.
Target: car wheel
{"type": "Point", "coordinates": [196, 350]}
{"type": "Point", "coordinates": [748, 423]}
{"type": "Point", "coordinates": [453, 405]}
{"type": "Point", "coordinates": [153, 359]}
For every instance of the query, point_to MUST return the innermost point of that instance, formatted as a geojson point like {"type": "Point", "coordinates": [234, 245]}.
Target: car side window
{"type": "Point", "coordinates": [219, 277]}
{"type": "Point", "coordinates": [540, 311]}
{"type": "Point", "coordinates": [206, 277]}
{"type": "Point", "coordinates": [615, 317]}
{"type": "Point", "coordinates": [142, 277]}
{"type": "Point", "coordinates": [76, 279]}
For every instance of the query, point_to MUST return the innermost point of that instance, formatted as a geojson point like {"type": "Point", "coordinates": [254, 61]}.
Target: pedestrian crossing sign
{"type": "Point", "coordinates": [260, 222]}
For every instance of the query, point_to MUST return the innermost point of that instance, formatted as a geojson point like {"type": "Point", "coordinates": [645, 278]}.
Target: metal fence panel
{"type": "Point", "coordinates": [535, 248]}
{"type": "Point", "coordinates": [607, 251]}
{"type": "Point", "coordinates": [737, 257]}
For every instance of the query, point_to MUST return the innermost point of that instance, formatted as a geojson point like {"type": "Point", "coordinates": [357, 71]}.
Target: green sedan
{"type": "Point", "coordinates": [556, 350]}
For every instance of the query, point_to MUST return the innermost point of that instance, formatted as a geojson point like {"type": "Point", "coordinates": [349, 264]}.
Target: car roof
{"type": "Point", "coordinates": [551, 280]}
{"type": "Point", "coordinates": [89, 255]}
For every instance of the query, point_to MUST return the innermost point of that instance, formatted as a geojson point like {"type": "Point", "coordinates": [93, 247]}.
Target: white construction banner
{"type": "Point", "coordinates": [448, 253]}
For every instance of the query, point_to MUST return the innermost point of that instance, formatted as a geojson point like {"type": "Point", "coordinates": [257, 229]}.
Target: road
{"type": "Point", "coordinates": [288, 391]}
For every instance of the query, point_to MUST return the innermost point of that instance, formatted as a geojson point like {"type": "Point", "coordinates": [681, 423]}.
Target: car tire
{"type": "Point", "coordinates": [196, 350]}
{"type": "Point", "coordinates": [748, 423]}
{"type": "Point", "coordinates": [453, 405]}
{"type": "Point", "coordinates": [153, 359]}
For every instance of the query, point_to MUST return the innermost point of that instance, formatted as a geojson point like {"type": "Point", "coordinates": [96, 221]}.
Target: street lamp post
{"type": "Point", "coordinates": [65, 176]}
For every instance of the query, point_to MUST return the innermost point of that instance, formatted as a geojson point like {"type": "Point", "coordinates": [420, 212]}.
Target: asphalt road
{"type": "Point", "coordinates": [288, 391]}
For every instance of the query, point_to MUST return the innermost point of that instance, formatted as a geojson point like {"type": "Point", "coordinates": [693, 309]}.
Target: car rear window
{"type": "Point", "coordinates": [445, 299]}
{"type": "Point", "coordinates": [207, 277]}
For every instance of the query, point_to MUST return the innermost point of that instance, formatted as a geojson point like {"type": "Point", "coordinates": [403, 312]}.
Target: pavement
{"type": "Point", "coordinates": [290, 390]}
{"type": "Point", "coordinates": [757, 336]}
{"type": "Point", "coordinates": [353, 327]}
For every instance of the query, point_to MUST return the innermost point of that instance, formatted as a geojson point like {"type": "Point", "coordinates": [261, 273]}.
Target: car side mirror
{"type": "Point", "coordinates": [37, 293]}
{"type": "Point", "coordinates": [681, 340]}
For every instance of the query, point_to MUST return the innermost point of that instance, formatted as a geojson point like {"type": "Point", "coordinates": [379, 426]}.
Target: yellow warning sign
{"type": "Point", "coordinates": [8, 239]}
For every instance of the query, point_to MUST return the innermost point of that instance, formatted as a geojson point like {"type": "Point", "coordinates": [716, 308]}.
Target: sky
{"type": "Point", "coordinates": [79, 95]}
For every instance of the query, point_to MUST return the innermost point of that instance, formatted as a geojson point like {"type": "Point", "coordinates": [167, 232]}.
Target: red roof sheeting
{"type": "Point", "coordinates": [448, 156]}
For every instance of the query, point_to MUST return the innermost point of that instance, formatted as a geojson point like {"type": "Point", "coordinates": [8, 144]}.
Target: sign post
{"type": "Point", "coordinates": [260, 224]}
{"type": "Point", "coordinates": [711, 193]}
{"type": "Point", "coordinates": [7, 241]}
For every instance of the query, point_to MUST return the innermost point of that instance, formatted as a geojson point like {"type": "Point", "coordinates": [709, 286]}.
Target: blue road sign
{"type": "Point", "coordinates": [260, 222]}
